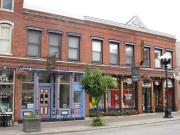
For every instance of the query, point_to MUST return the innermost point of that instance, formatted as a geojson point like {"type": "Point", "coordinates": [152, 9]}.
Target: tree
{"type": "Point", "coordinates": [96, 84]}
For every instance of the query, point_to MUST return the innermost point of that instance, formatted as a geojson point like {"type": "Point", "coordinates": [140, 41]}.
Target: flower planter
{"type": "Point", "coordinates": [31, 125]}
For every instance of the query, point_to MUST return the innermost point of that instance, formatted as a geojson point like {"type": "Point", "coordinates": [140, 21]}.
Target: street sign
{"type": "Point", "coordinates": [51, 61]}
{"type": "Point", "coordinates": [135, 74]}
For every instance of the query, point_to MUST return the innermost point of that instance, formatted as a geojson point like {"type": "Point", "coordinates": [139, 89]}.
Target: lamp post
{"type": "Point", "coordinates": [165, 60]}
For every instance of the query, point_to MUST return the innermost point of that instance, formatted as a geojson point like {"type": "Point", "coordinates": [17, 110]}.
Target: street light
{"type": "Point", "coordinates": [165, 60]}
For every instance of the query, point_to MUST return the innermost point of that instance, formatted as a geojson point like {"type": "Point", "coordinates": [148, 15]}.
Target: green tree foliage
{"type": "Point", "coordinates": [96, 84]}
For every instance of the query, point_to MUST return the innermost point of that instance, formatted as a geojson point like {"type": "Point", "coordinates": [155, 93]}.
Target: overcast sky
{"type": "Point", "coordinates": [159, 15]}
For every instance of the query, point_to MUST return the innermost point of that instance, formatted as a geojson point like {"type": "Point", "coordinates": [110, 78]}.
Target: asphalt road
{"type": "Point", "coordinates": [163, 128]}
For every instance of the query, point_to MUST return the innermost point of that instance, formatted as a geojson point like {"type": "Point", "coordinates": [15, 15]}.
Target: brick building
{"type": "Point", "coordinates": [29, 36]}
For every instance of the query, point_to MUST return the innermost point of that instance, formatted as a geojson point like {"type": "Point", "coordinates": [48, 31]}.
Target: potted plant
{"type": "Point", "coordinates": [31, 123]}
{"type": "Point", "coordinates": [21, 74]}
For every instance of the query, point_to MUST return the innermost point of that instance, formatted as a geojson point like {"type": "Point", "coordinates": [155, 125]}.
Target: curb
{"type": "Point", "coordinates": [105, 127]}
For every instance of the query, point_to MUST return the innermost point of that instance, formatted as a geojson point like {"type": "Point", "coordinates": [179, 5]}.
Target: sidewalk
{"type": "Point", "coordinates": [80, 125]}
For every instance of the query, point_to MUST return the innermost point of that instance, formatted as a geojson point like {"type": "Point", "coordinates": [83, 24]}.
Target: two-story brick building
{"type": "Point", "coordinates": [29, 36]}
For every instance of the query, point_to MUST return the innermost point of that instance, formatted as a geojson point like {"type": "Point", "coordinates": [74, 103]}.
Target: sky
{"type": "Point", "coordinates": [158, 15]}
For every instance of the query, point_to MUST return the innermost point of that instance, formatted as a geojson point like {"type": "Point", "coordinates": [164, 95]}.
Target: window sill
{"type": "Point", "coordinates": [6, 54]}
{"type": "Point", "coordinates": [6, 10]}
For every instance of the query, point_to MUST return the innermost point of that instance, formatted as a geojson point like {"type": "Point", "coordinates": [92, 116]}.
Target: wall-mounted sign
{"type": "Point", "coordinates": [146, 85]}
{"type": "Point", "coordinates": [51, 61]}
{"type": "Point", "coordinates": [156, 82]}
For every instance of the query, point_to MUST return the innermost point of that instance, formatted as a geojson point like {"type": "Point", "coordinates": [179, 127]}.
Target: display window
{"type": "Point", "coordinates": [6, 90]}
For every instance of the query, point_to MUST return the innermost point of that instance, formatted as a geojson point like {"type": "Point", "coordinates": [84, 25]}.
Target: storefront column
{"type": "Point", "coordinates": [17, 99]}
{"type": "Point", "coordinates": [175, 95]}
{"type": "Point", "coordinates": [106, 103]}
{"type": "Point", "coordinates": [139, 97]}
{"type": "Point", "coordinates": [163, 94]}
{"type": "Point", "coordinates": [57, 94]}
{"type": "Point", "coordinates": [152, 97]}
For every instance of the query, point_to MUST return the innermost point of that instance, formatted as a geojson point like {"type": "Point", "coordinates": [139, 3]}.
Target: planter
{"type": "Point", "coordinates": [31, 125]}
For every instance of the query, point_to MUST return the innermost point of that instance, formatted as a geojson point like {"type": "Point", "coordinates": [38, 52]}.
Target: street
{"type": "Point", "coordinates": [162, 128]}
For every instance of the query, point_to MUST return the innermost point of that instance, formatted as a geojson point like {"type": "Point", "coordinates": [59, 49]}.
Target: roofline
{"type": "Point", "coordinates": [116, 24]}
{"type": "Point", "coordinates": [102, 21]}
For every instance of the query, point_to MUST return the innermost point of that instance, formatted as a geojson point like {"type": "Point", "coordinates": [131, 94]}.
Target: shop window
{"type": "Point", "coordinates": [6, 90]}
{"type": "Point", "coordinates": [77, 77]}
{"type": "Point", "coordinates": [44, 77]}
{"type": "Point", "coordinates": [7, 4]}
{"type": "Point", "coordinates": [77, 97]}
{"type": "Point", "coordinates": [146, 62]}
{"type": "Point", "coordinates": [170, 66]}
{"type": "Point", "coordinates": [64, 96]}
{"type": "Point", "coordinates": [128, 95]}
{"type": "Point", "coordinates": [157, 54]}
{"type": "Point", "coordinates": [54, 44]}
{"type": "Point", "coordinates": [129, 55]}
{"type": "Point", "coordinates": [114, 53]}
{"type": "Point", "coordinates": [27, 96]}
{"type": "Point", "coordinates": [73, 50]}
{"type": "Point", "coordinates": [5, 38]}
{"type": "Point", "coordinates": [34, 43]}
{"type": "Point", "coordinates": [28, 92]}
{"type": "Point", "coordinates": [97, 51]}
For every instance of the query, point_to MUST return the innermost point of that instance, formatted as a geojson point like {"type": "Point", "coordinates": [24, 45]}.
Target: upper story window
{"type": "Point", "coordinates": [170, 53]}
{"type": "Point", "coordinates": [54, 44]}
{"type": "Point", "coordinates": [114, 53]}
{"type": "Point", "coordinates": [129, 55]}
{"type": "Point", "coordinates": [34, 43]}
{"type": "Point", "coordinates": [7, 4]}
{"type": "Point", "coordinates": [146, 62]}
{"type": "Point", "coordinates": [73, 48]}
{"type": "Point", "coordinates": [97, 51]}
{"type": "Point", "coordinates": [157, 53]}
{"type": "Point", "coordinates": [5, 38]}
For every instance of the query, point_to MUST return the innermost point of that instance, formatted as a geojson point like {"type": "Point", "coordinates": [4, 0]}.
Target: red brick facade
{"type": "Point", "coordinates": [22, 18]}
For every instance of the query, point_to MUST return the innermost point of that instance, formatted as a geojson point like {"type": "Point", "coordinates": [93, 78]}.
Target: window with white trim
{"type": "Point", "coordinates": [170, 66]}
{"type": "Point", "coordinates": [157, 53]}
{"type": "Point", "coordinates": [114, 53]}
{"type": "Point", "coordinates": [34, 43]}
{"type": "Point", "coordinates": [7, 4]}
{"type": "Point", "coordinates": [54, 44]}
{"type": "Point", "coordinates": [129, 55]}
{"type": "Point", "coordinates": [146, 62]}
{"type": "Point", "coordinates": [5, 38]}
{"type": "Point", "coordinates": [73, 48]}
{"type": "Point", "coordinates": [97, 51]}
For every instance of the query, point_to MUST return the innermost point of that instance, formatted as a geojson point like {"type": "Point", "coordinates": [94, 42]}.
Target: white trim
{"type": "Point", "coordinates": [6, 22]}
{"type": "Point", "coordinates": [8, 10]}
{"type": "Point", "coordinates": [116, 24]}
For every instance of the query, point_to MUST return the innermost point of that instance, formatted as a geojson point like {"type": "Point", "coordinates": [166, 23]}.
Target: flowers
{"type": "Point", "coordinates": [21, 74]}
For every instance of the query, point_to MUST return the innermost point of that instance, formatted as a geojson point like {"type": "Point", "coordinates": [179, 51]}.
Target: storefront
{"type": "Point", "coordinates": [53, 95]}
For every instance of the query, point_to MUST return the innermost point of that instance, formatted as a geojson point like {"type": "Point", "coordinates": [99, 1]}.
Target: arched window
{"type": "Point", "coordinates": [5, 37]}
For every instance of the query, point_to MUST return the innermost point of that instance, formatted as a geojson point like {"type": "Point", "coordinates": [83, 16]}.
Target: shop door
{"type": "Point", "coordinates": [44, 98]}
{"type": "Point", "coordinates": [146, 100]}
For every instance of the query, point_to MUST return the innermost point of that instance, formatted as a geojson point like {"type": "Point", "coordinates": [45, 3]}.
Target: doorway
{"type": "Point", "coordinates": [44, 102]}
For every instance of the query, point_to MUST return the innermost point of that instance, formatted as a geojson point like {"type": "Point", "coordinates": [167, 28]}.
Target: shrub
{"type": "Point", "coordinates": [98, 121]}
{"type": "Point", "coordinates": [31, 116]}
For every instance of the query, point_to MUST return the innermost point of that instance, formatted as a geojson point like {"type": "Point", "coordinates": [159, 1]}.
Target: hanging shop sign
{"type": "Point", "coordinates": [156, 82]}
{"type": "Point", "coordinates": [177, 76]}
{"type": "Point", "coordinates": [51, 61]}
{"type": "Point", "coordinates": [135, 74]}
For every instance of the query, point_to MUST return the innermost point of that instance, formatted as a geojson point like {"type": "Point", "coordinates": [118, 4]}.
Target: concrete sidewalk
{"type": "Point", "coordinates": [80, 125]}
